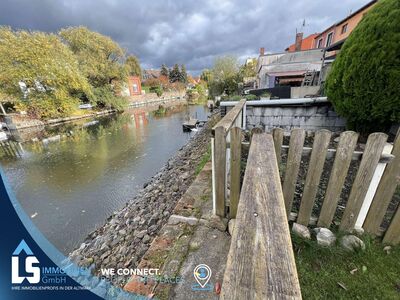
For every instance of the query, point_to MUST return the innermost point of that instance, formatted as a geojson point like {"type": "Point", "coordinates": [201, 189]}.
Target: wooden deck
{"type": "Point", "coordinates": [261, 262]}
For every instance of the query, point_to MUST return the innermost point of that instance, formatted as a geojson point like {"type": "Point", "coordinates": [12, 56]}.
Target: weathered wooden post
{"type": "Point", "coordinates": [373, 150]}
{"type": "Point", "coordinates": [235, 170]}
{"type": "Point", "coordinates": [385, 191]}
{"type": "Point", "coordinates": [220, 170]}
{"type": "Point", "coordinates": [315, 168]}
{"type": "Point", "coordinates": [296, 143]}
{"type": "Point", "coordinates": [344, 154]}
{"type": "Point", "coordinates": [277, 134]}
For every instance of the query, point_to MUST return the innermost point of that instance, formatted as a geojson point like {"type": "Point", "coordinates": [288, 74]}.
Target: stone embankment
{"type": "Point", "coordinates": [128, 233]}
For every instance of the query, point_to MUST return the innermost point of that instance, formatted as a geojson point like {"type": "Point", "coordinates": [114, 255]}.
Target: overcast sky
{"type": "Point", "coordinates": [183, 31]}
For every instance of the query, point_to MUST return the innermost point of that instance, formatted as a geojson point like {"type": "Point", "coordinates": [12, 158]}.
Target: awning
{"type": "Point", "coordinates": [288, 80]}
{"type": "Point", "coordinates": [287, 73]}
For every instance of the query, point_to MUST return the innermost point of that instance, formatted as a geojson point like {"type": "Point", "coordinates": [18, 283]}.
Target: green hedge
{"type": "Point", "coordinates": [364, 83]}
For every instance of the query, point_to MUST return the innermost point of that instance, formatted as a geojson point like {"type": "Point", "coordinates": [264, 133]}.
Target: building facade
{"type": "Point", "coordinates": [302, 44]}
{"type": "Point", "coordinates": [286, 69]}
{"type": "Point", "coordinates": [339, 31]}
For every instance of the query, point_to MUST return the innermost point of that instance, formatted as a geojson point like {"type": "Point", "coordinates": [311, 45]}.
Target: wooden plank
{"type": "Point", "coordinates": [292, 166]}
{"type": "Point", "coordinates": [372, 153]}
{"type": "Point", "coordinates": [235, 170]}
{"type": "Point", "coordinates": [385, 191]}
{"type": "Point", "coordinates": [315, 168]}
{"type": "Point", "coordinates": [220, 170]}
{"type": "Point", "coordinates": [347, 144]}
{"type": "Point", "coordinates": [227, 121]}
{"type": "Point", "coordinates": [392, 235]}
{"type": "Point", "coordinates": [260, 262]}
{"type": "Point", "coordinates": [277, 133]}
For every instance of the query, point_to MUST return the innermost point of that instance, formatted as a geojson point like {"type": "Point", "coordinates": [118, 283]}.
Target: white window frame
{"type": "Point", "coordinates": [327, 39]}
{"type": "Point", "coordinates": [344, 27]}
{"type": "Point", "coordinates": [319, 45]}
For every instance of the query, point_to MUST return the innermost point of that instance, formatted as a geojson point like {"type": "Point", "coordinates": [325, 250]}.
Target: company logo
{"type": "Point", "coordinates": [28, 264]}
{"type": "Point", "coordinates": [202, 273]}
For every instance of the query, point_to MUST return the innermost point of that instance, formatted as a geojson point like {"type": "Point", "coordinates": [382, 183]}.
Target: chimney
{"type": "Point", "coordinates": [299, 40]}
{"type": "Point", "coordinates": [262, 51]}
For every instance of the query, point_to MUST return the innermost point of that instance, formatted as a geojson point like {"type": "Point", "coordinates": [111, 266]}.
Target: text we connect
{"type": "Point", "coordinates": [126, 271]}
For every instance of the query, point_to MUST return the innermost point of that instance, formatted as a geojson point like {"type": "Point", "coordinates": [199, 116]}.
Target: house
{"type": "Point", "coordinates": [150, 73]}
{"type": "Point", "coordinates": [288, 69]}
{"type": "Point", "coordinates": [301, 43]}
{"type": "Point", "coordinates": [134, 85]}
{"type": "Point", "coordinates": [334, 36]}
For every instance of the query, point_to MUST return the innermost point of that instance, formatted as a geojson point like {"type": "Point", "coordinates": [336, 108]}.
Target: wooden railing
{"type": "Point", "coordinates": [261, 262]}
{"type": "Point", "coordinates": [225, 148]}
{"type": "Point", "coordinates": [371, 191]}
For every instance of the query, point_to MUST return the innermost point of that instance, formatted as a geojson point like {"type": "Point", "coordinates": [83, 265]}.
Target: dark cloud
{"type": "Point", "coordinates": [182, 31]}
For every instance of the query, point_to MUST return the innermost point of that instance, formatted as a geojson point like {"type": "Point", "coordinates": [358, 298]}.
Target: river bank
{"type": "Point", "coordinates": [128, 233]}
{"type": "Point", "coordinates": [23, 122]}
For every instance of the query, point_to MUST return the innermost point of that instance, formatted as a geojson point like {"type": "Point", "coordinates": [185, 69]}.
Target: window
{"type": "Point", "coordinates": [344, 28]}
{"type": "Point", "coordinates": [329, 39]}
{"type": "Point", "coordinates": [319, 43]}
{"type": "Point", "coordinates": [135, 88]}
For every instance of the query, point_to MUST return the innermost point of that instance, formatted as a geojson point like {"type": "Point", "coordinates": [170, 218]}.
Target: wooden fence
{"type": "Point", "coordinates": [225, 153]}
{"type": "Point", "coordinates": [11, 148]}
{"type": "Point", "coordinates": [371, 191]}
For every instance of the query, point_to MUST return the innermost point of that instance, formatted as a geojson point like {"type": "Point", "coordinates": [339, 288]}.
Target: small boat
{"type": "Point", "coordinates": [190, 124]}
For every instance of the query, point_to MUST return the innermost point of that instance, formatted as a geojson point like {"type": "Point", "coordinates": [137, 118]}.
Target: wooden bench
{"type": "Point", "coordinates": [261, 262]}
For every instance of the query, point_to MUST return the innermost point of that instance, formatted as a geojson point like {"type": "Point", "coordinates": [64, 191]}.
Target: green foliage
{"type": "Point", "coordinates": [206, 75]}
{"type": "Point", "coordinates": [248, 69]}
{"type": "Point", "coordinates": [164, 70]}
{"type": "Point", "coordinates": [183, 74]}
{"type": "Point", "coordinates": [99, 57]}
{"type": "Point", "coordinates": [156, 89]}
{"type": "Point", "coordinates": [225, 76]}
{"type": "Point", "coordinates": [106, 98]}
{"type": "Point", "coordinates": [364, 84]}
{"type": "Point", "coordinates": [47, 69]}
{"type": "Point", "coordinates": [251, 97]}
{"type": "Point", "coordinates": [204, 159]}
{"type": "Point", "coordinates": [133, 65]}
{"type": "Point", "coordinates": [175, 74]}
{"type": "Point", "coordinates": [321, 269]}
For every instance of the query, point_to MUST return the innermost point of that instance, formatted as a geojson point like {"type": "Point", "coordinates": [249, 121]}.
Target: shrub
{"type": "Point", "coordinates": [251, 97]}
{"type": "Point", "coordinates": [156, 89]}
{"type": "Point", "coordinates": [364, 82]}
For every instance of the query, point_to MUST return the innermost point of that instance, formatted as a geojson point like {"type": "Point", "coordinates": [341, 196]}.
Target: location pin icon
{"type": "Point", "coordinates": [202, 274]}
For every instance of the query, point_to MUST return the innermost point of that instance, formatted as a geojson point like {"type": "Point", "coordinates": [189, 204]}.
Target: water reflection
{"type": "Point", "coordinates": [84, 171]}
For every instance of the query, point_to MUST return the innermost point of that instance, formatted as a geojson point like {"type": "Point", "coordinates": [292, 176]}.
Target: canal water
{"type": "Point", "coordinates": [70, 183]}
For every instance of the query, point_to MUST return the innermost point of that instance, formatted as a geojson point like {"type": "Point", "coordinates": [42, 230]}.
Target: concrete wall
{"type": "Point", "coordinates": [309, 113]}
{"type": "Point", "coordinates": [287, 117]}
{"type": "Point", "coordinates": [150, 97]}
{"type": "Point", "coordinates": [302, 91]}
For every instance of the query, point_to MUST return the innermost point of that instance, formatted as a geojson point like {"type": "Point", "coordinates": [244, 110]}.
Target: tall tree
{"type": "Point", "coordinates": [164, 70]}
{"type": "Point", "coordinates": [99, 57]}
{"type": "Point", "coordinates": [225, 76]}
{"type": "Point", "coordinates": [175, 74]}
{"type": "Point", "coordinates": [206, 75]}
{"type": "Point", "coordinates": [133, 65]}
{"type": "Point", "coordinates": [40, 72]}
{"type": "Point", "coordinates": [183, 74]}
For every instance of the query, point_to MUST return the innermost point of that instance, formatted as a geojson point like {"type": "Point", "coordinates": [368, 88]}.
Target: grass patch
{"type": "Point", "coordinates": [322, 270]}
{"type": "Point", "coordinates": [204, 159]}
